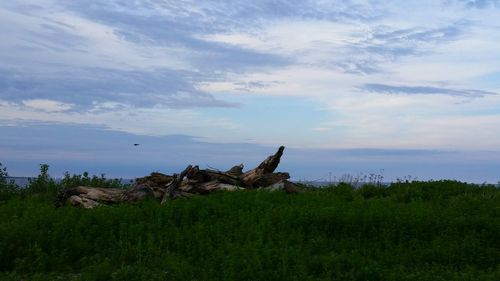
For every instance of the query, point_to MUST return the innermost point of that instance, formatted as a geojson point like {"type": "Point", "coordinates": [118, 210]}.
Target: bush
{"type": "Point", "coordinates": [438, 230]}
{"type": "Point", "coordinates": [44, 187]}
{"type": "Point", "coordinates": [42, 184]}
{"type": "Point", "coordinates": [373, 190]}
{"type": "Point", "coordinates": [8, 189]}
{"type": "Point", "coordinates": [75, 180]}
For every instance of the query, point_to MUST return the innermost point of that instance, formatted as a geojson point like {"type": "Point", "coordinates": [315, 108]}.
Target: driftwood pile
{"type": "Point", "coordinates": [189, 182]}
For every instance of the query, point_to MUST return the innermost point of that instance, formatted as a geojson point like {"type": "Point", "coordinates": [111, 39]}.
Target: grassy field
{"type": "Point", "coordinates": [440, 230]}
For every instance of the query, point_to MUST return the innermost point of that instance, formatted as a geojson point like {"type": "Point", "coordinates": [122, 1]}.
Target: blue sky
{"type": "Point", "coordinates": [407, 87]}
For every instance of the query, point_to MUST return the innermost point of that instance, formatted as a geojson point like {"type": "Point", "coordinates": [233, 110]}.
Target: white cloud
{"type": "Point", "coordinates": [47, 105]}
{"type": "Point", "coordinates": [290, 37]}
{"type": "Point", "coordinates": [435, 122]}
{"type": "Point", "coordinates": [360, 119]}
{"type": "Point", "coordinates": [155, 121]}
{"type": "Point", "coordinates": [330, 59]}
{"type": "Point", "coordinates": [49, 38]}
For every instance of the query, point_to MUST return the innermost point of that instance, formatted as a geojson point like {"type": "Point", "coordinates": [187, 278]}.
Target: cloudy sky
{"type": "Point", "coordinates": [394, 87]}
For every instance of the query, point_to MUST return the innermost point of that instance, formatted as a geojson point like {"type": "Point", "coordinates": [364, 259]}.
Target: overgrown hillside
{"type": "Point", "coordinates": [441, 230]}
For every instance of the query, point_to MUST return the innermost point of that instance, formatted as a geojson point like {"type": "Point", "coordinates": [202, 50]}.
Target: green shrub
{"type": "Point", "coordinates": [8, 189]}
{"type": "Point", "coordinates": [343, 190]}
{"type": "Point", "coordinates": [372, 190]}
{"type": "Point", "coordinates": [100, 271]}
{"type": "Point", "coordinates": [43, 185]}
{"type": "Point", "coordinates": [440, 230]}
{"type": "Point", "coordinates": [75, 180]}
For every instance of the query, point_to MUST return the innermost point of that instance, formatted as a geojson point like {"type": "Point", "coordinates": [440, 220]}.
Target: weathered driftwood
{"type": "Point", "coordinates": [267, 166]}
{"type": "Point", "coordinates": [191, 181]}
{"type": "Point", "coordinates": [90, 197]}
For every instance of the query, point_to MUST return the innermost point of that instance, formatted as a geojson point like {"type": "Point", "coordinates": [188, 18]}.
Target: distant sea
{"type": "Point", "coordinates": [21, 181]}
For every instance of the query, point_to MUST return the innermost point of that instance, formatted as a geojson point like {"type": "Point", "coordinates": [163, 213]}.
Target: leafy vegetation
{"type": "Point", "coordinates": [45, 187]}
{"type": "Point", "coordinates": [7, 188]}
{"type": "Point", "coordinates": [438, 230]}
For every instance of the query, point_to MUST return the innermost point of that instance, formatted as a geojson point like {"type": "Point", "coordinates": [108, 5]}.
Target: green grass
{"type": "Point", "coordinates": [441, 230]}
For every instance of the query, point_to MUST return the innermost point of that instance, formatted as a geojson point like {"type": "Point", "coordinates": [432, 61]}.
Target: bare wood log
{"type": "Point", "coordinates": [223, 177]}
{"type": "Point", "coordinates": [174, 184]}
{"type": "Point", "coordinates": [139, 193]}
{"type": "Point", "coordinates": [272, 162]}
{"type": "Point", "coordinates": [155, 179]}
{"type": "Point", "coordinates": [105, 195]}
{"type": "Point", "coordinates": [207, 187]}
{"type": "Point", "coordinates": [191, 181]}
{"type": "Point", "coordinates": [285, 185]}
{"type": "Point", "coordinates": [211, 175]}
{"type": "Point", "coordinates": [269, 179]}
{"type": "Point", "coordinates": [195, 174]}
{"type": "Point", "coordinates": [236, 171]}
{"type": "Point", "coordinates": [251, 178]}
{"type": "Point", "coordinates": [86, 203]}
{"type": "Point", "coordinates": [89, 197]}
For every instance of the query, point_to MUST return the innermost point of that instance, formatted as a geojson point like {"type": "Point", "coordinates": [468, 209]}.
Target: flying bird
{"type": "Point", "coordinates": [136, 144]}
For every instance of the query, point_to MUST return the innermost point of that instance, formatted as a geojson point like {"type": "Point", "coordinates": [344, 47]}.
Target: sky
{"type": "Point", "coordinates": [396, 88]}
